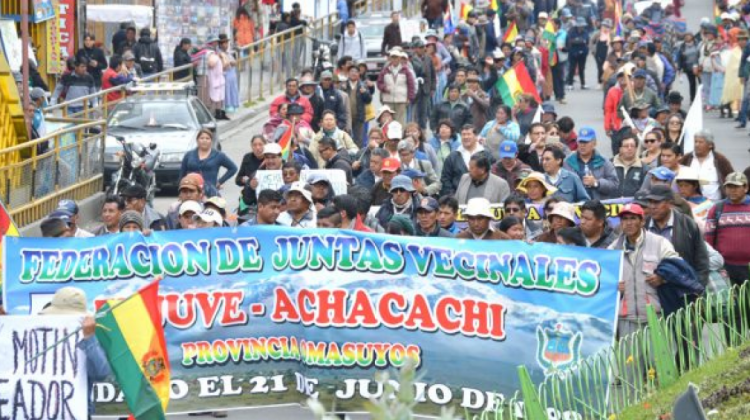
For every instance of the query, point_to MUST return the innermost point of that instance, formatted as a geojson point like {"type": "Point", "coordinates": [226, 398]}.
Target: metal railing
{"type": "Point", "coordinates": [653, 358]}
{"type": "Point", "coordinates": [64, 164]}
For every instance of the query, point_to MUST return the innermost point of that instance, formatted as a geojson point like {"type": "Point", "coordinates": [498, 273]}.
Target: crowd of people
{"type": "Point", "coordinates": [444, 153]}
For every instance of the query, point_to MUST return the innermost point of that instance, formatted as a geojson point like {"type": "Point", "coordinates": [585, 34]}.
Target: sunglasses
{"type": "Point", "coordinates": [398, 191]}
{"type": "Point", "coordinates": [649, 141]}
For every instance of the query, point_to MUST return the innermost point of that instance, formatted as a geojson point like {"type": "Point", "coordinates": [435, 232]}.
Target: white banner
{"type": "Point", "coordinates": [52, 386]}
{"type": "Point", "coordinates": [272, 180]}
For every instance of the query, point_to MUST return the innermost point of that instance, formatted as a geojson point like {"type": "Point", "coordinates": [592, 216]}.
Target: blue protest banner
{"type": "Point", "coordinates": [269, 315]}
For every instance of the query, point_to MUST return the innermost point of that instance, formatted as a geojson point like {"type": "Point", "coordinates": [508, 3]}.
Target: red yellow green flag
{"type": "Point", "coordinates": [550, 34]}
{"type": "Point", "coordinates": [131, 334]}
{"type": "Point", "coordinates": [465, 9]}
{"type": "Point", "coordinates": [286, 140]}
{"type": "Point", "coordinates": [515, 82]}
{"type": "Point", "coordinates": [511, 33]}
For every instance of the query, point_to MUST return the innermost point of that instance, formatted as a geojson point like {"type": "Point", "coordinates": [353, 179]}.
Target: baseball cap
{"type": "Point", "coordinates": [272, 149]}
{"type": "Point", "coordinates": [193, 181]}
{"type": "Point", "coordinates": [640, 73]}
{"type": "Point", "coordinates": [37, 93]}
{"type": "Point", "coordinates": [429, 204]}
{"type": "Point", "coordinates": [190, 205]}
{"type": "Point", "coordinates": [68, 205]}
{"type": "Point", "coordinates": [640, 198]}
{"type": "Point", "coordinates": [128, 56]}
{"type": "Point", "coordinates": [395, 131]}
{"type": "Point", "coordinates": [663, 173]}
{"type": "Point", "coordinates": [660, 193]}
{"type": "Point", "coordinates": [209, 215]}
{"type": "Point", "coordinates": [631, 208]}
{"type": "Point", "coordinates": [218, 203]}
{"type": "Point", "coordinates": [548, 108]}
{"type": "Point", "coordinates": [53, 227]}
{"type": "Point", "coordinates": [586, 134]}
{"type": "Point", "coordinates": [413, 173]}
{"type": "Point", "coordinates": [401, 182]}
{"type": "Point", "coordinates": [543, 15]}
{"type": "Point", "coordinates": [508, 149]}
{"type": "Point", "coordinates": [61, 214]}
{"type": "Point", "coordinates": [326, 75]}
{"type": "Point", "coordinates": [299, 187]}
{"type": "Point", "coordinates": [66, 301]}
{"type": "Point", "coordinates": [390, 165]}
{"type": "Point", "coordinates": [316, 178]}
{"type": "Point", "coordinates": [736, 178]}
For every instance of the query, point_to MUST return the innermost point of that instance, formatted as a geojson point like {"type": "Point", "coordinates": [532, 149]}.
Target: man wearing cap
{"type": "Point", "coordinates": [111, 211]}
{"type": "Point", "coordinates": [381, 191]}
{"type": "Point", "coordinates": [190, 188]}
{"type": "Point", "coordinates": [427, 224]}
{"type": "Point", "coordinates": [424, 71]}
{"type": "Point", "coordinates": [577, 45]}
{"type": "Point", "coordinates": [133, 68]}
{"type": "Point", "coordinates": [509, 167]}
{"type": "Point", "coordinates": [641, 93]}
{"type": "Point", "coordinates": [479, 216]}
{"type": "Point", "coordinates": [403, 201]}
{"type": "Point", "coordinates": [72, 301]}
{"type": "Point", "coordinates": [597, 173]}
{"type": "Point", "coordinates": [352, 43]}
{"type": "Point", "coordinates": [56, 225]}
{"type": "Point", "coordinates": [292, 95]}
{"type": "Point", "coordinates": [477, 100]}
{"type": "Point", "coordinates": [187, 210]}
{"type": "Point", "coordinates": [453, 109]}
{"type": "Point", "coordinates": [397, 85]}
{"type": "Point", "coordinates": [208, 218]}
{"type": "Point", "coordinates": [322, 190]}
{"type": "Point", "coordinates": [299, 207]}
{"type": "Point", "coordinates": [309, 89]}
{"type": "Point", "coordinates": [727, 227]}
{"type": "Point", "coordinates": [332, 100]}
{"type": "Point", "coordinates": [644, 251]}
{"type": "Point", "coordinates": [680, 230]}
{"type": "Point", "coordinates": [135, 199]}
{"type": "Point", "coordinates": [132, 221]}
{"type": "Point", "coordinates": [406, 152]}
{"type": "Point", "coordinates": [72, 209]}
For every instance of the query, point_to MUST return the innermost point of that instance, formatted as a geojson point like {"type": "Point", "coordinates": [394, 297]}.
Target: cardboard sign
{"type": "Point", "coordinates": [52, 386]}
{"type": "Point", "coordinates": [272, 180]}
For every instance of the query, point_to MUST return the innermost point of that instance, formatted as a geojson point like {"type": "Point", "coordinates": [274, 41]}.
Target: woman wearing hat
{"type": "Point", "coordinates": [689, 186]}
{"type": "Point", "coordinates": [563, 215]}
{"type": "Point", "coordinates": [535, 188]}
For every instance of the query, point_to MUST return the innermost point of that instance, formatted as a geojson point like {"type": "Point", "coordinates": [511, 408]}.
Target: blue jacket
{"type": "Point", "coordinates": [209, 169]}
{"type": "Point", "coordinates": [681, 283]}
{"type": "Point", "coordinates": [97, 366]}
{"type": "Point", "coordinates": [343, 10]}
{"type": "Point", "coordinates": [569, 187]}
{"type": "Point", "coordinates": [435, 143]}
{"type": "Point", "coordinates": [602, 169]}
{"type": "Point", "coordinates": [669, 71]}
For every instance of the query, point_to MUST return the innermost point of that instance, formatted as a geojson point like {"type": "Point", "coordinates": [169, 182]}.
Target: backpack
{"type": "Point", "coordinates": [147, 60]}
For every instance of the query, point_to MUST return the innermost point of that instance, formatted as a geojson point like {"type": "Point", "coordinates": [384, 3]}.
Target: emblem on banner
{"type": "Point", "coordinates": [557, 349]}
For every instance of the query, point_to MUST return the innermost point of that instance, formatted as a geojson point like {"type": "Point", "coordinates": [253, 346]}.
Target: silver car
{"type": "Point", "coordinates": [170, 121]}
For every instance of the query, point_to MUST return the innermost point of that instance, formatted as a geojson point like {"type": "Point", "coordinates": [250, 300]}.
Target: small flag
{"type": "Point", "coordinates": [511, 33]}
{"type": "Point", "coordinates": [618, 18]}
{"type": "Point", "coordinates": [693, 123]}
{"type": "Point", "coordinates": [493, 5]}
{"type": "Point", "coordinates": [537, 119]}
{"type": "Point", "coordinates": [286, 140]}
{"type": "Point", "coordinates": [550, 34]}
{"type": "Point", "coordinates": [465, 9]}
{"type": "Point", "coordinates": [131, 335]}
{"type": "Point", "coordinates": [514, 82]}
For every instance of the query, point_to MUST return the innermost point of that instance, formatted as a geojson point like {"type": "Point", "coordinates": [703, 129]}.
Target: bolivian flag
{"type": "Point", "coordinates": [286, 140]}
{"type": "Point", "coordinates": [131, 334]}
{"type": "Point", "coordinates": [511, 33]}
{"type": "Point", "coordinates": [515, 82]}
{"type": "Point", "coordinates": [550, 34]}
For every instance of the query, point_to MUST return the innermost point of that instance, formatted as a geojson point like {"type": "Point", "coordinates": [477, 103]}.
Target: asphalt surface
{"type": "Point", "coordinates": [585, 109]}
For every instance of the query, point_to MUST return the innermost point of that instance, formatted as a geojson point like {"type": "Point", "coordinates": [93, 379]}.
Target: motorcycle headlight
{"type": "Point", "coordinates": [171, 157]}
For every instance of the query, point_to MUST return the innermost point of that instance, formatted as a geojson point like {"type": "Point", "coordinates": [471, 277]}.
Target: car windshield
{"type": "Point", "coordinates": [372, 31]}
{"type": "Point", "coordinates": [152, 115]}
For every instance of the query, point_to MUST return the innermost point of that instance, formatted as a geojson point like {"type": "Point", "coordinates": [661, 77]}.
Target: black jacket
{"type": "Point", "coordinates": [181, 57]}
{"type": "Point", "coordinates": [101, 62]}
{"type": "Point", "coordinates": [362, 99]}
{"type": "Point", "coordinates": [250, 164]}
{"type": "Point", "coordinates": [688, 242]}
{"type": "Point", "coordinates": [459, 114]}
{"type": "Point", "coordinates": [340, 163]}
{"type": "Point", "coordinates": [423, 68]}
{"type": "Point", "coordinates": [631, 181]}
{"type": "Point", "coordinates": [332, 101]}
{"type": "Point", "coordinates": [391, 38]}
{"type": "Point", "coordinates": [453, 168]}
{"type": "Point", "coordinates": [148, 48]}
{"type": "Point", "coordinates": [387, 211]}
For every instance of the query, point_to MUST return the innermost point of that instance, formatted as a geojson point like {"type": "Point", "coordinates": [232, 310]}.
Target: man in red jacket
{"type": "Point", "coordinates": [292, 96]}
{"type": "Point", "coordinates": [612, 120]}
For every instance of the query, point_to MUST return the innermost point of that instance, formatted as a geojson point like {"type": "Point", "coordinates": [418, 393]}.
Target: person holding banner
{"type": "Point", "coordinates": [72, 301]}
{"type": "Point", "coordinates": [594, 225]}
{"type": "Point", "coordinates": [479, 216]}
{"type": "Point", "coordinates": [535, 188]}
{"type": "Point", "coordinates": [563, 215]}
{"type": "Point", "coordinates": [403, 201]}
{"type": "Point", "coordinates": [427, 220]}
{"type": "Point", "coordinates": [299, 207]}
{"type": "Point", "coordinates": [269, 209]}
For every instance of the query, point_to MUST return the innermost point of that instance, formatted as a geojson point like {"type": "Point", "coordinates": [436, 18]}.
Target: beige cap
{"type": "Point", "coordinates": [67, 301]}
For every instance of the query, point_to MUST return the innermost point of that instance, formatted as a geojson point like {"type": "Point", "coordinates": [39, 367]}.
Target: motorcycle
{"type": "Point", "coordinates": [137, 166]}
{"type": "Point", "coordinates": [323, 54]}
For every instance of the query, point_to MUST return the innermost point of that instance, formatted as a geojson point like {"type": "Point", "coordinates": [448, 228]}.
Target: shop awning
{"type": "Point", "coordinates": [117, 13]}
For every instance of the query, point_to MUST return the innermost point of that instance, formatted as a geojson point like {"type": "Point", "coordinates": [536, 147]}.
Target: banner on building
{"type": "Point", "coordinates": [52, 33]}
{"type": "Point", "coordinates": [257, 316]}
{"type": "Point", "coordinates": [67, 28]}
{"type": "Point", "coordinates": [43, 10]}
{"type": "Point", "coordinates": [37, 385]}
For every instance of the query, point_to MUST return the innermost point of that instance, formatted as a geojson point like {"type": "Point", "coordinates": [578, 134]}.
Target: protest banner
{"type": "Point", "coordinates": [269, 315]}
{"type": "Point", "coordinates": [272, 179]}
{"type": "Point", "coordinates": [50, 386]}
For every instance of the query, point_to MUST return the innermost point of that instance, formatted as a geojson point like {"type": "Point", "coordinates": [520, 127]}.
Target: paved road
{"type": "Point", "coordinates": [583, 106]}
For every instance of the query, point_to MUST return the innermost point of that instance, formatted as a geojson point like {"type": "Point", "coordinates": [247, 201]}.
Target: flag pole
{"type": "Point", "coordinates": [96, 315]}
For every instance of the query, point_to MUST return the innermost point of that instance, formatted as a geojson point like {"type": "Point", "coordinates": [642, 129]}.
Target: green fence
{"type": "Point", "coordinates": [636, 366]}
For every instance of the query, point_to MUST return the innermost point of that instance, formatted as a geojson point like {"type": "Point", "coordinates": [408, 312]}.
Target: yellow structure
{"type": "Point", "coordinates": [12, 124]}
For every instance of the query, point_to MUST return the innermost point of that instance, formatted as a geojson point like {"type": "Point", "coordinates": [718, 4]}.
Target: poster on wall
{"type": "Point", "coordinates": [67, 28]}
{"type": "Point", "coordinates": [52, 34]}
{"type": "Point", "coordinates": [199, 20]}
{"type": "Point", "coordinates": [11, 44]}
{"type": "Point", "coordinates": [43, 10]}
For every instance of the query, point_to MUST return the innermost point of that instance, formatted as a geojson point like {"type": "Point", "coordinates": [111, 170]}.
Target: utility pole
{"type": "Point", "coordinates": [25, 61]}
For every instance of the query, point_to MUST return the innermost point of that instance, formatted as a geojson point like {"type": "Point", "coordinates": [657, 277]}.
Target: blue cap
{"type": "Point", "coordinates": [663, 173]}
{"type": "Point", "coordinates": [61, 214]}
{"type": "Point", "coordinates": [586, 134]}
{"type": "Point", "coordinates": [429, 204]}
{"type": "Point", "coordinates": [68, 205]}
{"type": "Point", "coordinates": [508, 149]}
{"type": "Point", "coordinates": [413, 173]}
{"type": "Point", "coordinates": [640, 73]}
{"type": "Point", "coordinates": [566, 13]}
{"type": "Point", "coordinates": [548, 108]}
{"type": "Point", "coordinates": [315, 178]}
{"type": "Point", "coordinates": [403, 182]}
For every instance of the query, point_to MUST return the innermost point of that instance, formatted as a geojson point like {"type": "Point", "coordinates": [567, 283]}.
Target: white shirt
{"type": "Point", "coordinates": [80, 233]}
{"type": "Point", "coordinates": [466, 155]}
{"type": "Point", "coordinates": [707, 172]}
